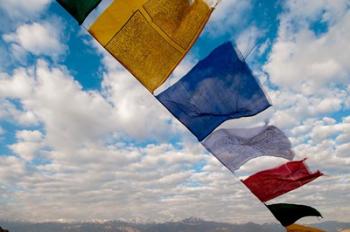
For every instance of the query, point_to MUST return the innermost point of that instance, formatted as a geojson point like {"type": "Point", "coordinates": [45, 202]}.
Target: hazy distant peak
{"type": "Point", "coordinates": [192, 220]}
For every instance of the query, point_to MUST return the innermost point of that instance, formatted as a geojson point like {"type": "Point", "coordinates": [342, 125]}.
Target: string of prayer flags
{"type": "Point", "coordinates": [271, 183]}
{"type": "Point", "coordinates": [218, 88]}
{"type": "Point", "coordinates": [300, 228]}
{"type": "Point", "coordinates": [288, 214]}
{"type": "Point", "coordinates": [150, 37]}
{"type": "Point", "coordinates": [235, 147]}
{"type": "Point", "coordinates": [79, 9]}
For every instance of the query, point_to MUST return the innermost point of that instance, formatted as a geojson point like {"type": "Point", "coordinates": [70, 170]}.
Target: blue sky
{"type": "Point", "coordinates": [77, 131]}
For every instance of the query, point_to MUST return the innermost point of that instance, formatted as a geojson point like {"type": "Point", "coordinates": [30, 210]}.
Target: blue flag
{"type": "Point", "coordinates": [218, 88]}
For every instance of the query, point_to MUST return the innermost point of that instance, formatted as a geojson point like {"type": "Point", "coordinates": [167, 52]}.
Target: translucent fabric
{"type": "Point", "coordinates": [269, 184]}
{"type": "Point", "coordinates": [150, 37]}
{"type": "Point", "coordinates": [235, 147]}
{"type": "Point", "coordinates": [218, 88]}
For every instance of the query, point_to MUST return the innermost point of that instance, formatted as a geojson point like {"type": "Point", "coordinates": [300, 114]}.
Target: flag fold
{"type": "Point", "coordinates": [218, 88]}
{"type": "Point", "coordinates": [287, 214]}
{"type": "Point", "coordinates": [150, 37]}
{"type": "Point", "coordinates": [271, 183]}
{"type": "Point", "coordinates": [235, 147]}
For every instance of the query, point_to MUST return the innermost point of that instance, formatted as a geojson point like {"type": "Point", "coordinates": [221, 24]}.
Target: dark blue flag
{"type": "Point", "coordinates": [218, 88]}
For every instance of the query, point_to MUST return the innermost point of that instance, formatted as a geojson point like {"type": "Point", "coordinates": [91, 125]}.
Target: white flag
{"type": "Point", "coordinates": [235, 147]}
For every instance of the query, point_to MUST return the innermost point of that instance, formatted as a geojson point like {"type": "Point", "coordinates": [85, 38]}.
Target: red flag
{"type": "Point", "coordinates": [269, 184]}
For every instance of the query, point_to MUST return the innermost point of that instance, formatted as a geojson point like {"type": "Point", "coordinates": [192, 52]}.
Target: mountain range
{"type": "Point", "coordinates": [187, 225]}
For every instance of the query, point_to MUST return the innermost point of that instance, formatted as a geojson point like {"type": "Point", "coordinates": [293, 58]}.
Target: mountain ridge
{"type": "Point", "coordinates": [187, 225]}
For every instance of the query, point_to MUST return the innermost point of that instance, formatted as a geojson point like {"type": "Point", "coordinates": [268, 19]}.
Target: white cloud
{"type": "Point", "coordinates": [323, 130]}
{"type": "Point", "coordinates": [134, 105]}
{"type": "Point", "coordinates": [10, 112]}
{"type": "Point", "coordinates": [28, 145]}
{"type": "Point", "coordinates": [226, 16]}
{"type": "Point", "coordinates": [292, 107]}
{"type": "Point", "coordinates": [23, 8]}
{"type": "Point", "coordinates": [71, 116]}
{"type": "Point", "coordinates": [11, 170]}
{"type": "Point", "coordinates": [30, 136]}
{"type": "Point", "coordinates": [127, 183]}
{"type": "Point", "coordinates": [311, 71]}
{"type": "Point", "coordinates": [301, 59]}
{"type": "Point", "coordinates": [18, 85]}
{"type": "Point", "coordinates": [247, 40]}
{"type": "Point", "coordinates": [90, 163]}
{"type": "Point", "coordinates": [36, 38]}
{"type": "Point", "coordinates": [312, 10]}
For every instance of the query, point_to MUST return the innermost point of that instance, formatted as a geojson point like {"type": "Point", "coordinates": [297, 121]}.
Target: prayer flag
{"type": "Point", "coordinates": [299, 228]}
{"type": "Point", "coordinates": [288, 214]}
{"type": "Point", "coordinates": [79, 9]}
{"type": "Point", "coordinates": [150, 37]}
{"type": "Point", "coordinates": [218, 88]}
{"type": "Point", "coordinates": [269, 184]}
{"type": "Point", "coordinates": [235, 147]}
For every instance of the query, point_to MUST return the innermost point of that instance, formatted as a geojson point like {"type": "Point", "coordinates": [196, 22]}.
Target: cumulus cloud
{"type": "Point", "coordinates": [131, 184]}
{"type": "Point", "coordinates": [38, 38]}
{"type": "Point", "coordinates": [309, 71]}
{"type": "Point", "coordinates": [72, 116]}
{"type": "Point", "coordinates": [23, 8]}
{"type": "Point", "coordinates": [292, 107]}
{"type": "Point", "coordinates": [12, 170]}
{"type": "Point", "coordinates": [133, 103]}
{"type": "Point", "coordinates": [228, 16]}
{"type": "Point", "coordinates": [18, 85]}
{"type": "Point", "coordinates": [247, 40]}
{"type": "Point", "coordinates": [309, 68]}
{"type": "Point", "coordinates": [303, 60]}
{"type": "Point", "coordinates": [120, 155]}
{"type": "Point", "coordinates": [10, 112]}
{"type": "Point", "coordinates": [89, 163]}
{"type": "Point", "coordinates": [28, 144]}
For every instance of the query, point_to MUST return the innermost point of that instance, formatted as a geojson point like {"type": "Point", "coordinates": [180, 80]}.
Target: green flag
{"type": "Point", "coordinates": [288, 214]}
{"type": "Point", "coordinates": [79, 9]}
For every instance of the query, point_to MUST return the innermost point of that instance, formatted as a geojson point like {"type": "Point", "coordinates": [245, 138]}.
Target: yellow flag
{"type": "Point", "coordinates": [299, 228]}
{"type": "Point", "coordinates": [150, 37]}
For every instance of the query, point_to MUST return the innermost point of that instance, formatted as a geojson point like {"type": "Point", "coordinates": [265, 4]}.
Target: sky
{"type": "Point", "coordinates": [82, 140]}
